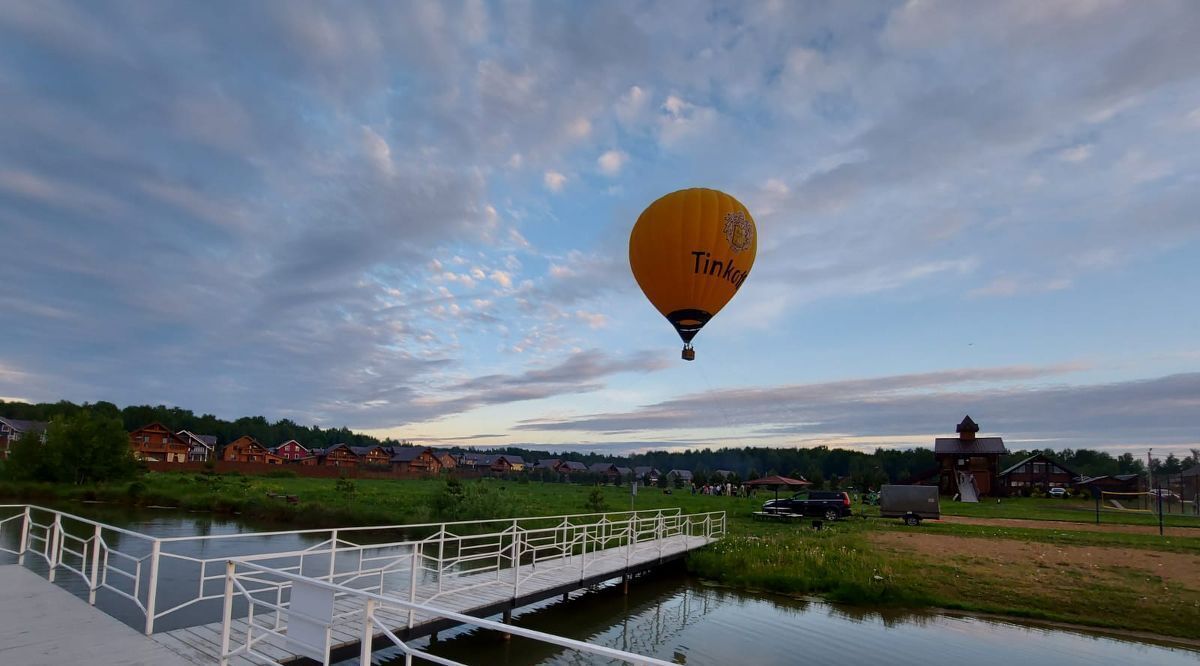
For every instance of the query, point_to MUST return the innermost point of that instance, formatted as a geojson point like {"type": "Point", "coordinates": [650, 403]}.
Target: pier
{"type": "Point", "coordinates": [245, 599]}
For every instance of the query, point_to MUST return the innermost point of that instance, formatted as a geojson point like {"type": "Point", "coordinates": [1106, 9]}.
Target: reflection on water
{"type": "Point", "coordinates": [677, 619]}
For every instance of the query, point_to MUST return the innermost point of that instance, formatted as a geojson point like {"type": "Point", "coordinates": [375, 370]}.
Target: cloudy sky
{"type": "Point", "coordinates": [412, 218]}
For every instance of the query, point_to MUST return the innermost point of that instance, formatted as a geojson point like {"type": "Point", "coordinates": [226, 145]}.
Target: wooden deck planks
{"type": "Point", "coordinates": [204, 641]}
{"type": "Point", "coordinates": [42, 624]}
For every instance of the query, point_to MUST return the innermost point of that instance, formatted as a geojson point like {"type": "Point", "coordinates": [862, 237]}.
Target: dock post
{"type": "Point", "coordinates": [333, 541]}
{"type": "Point", "coordinates": [227, 613]}
{"type": "Point", "coordinates": [364, 652]}
{"type": "Point", "coordinates": [412, 583]}
{"type": "Point", "coordinates": [566, 596]}
{"type": "Point", "coordinates": [152, 591]}
{"type": "Point", "coordinates": [507, 620]}
{"type": "Point", "coordinates": [52, 543]}
{"type": "Point", "coordinates": [626, 577]}
{"type": "Point", "coordinates": [24, 537]}
{"type": "Point", "coordinates": [94, 583]}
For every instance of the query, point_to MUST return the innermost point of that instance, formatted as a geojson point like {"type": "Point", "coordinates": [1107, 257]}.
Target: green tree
{"type": "Point", "coordinates": [83, 448]}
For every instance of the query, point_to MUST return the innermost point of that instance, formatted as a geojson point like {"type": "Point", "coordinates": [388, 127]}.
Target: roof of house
{"type": "Point", "coordinates": [407, 453]}
{"type": "Point", "coordinates": [723, 473]}
{"type": "Point", "coordinates": [681, 473]}
{"type": "Point", "coordinates": [1036, 456]}
{"type": "Point", "coordinates": [292, 441]}
{"type": "Point", "coordinates": [967, 425]}
{"type": "Point", "coordinates": [512, 459]}
{"type": "Point", "coordinates": [573, 466]}
{"type": "Point", "coordinates": [364, 450]}
{"type": "Point", "coordinates": [624, 471]}
{"type": "Point", "coordinates": [1194, 470]}
{"type": "Point", "coordinates": [601, 467]}
{"type": "Point", "coordinates": [643, 470]}
{"type": "Point", "coordinates": [954, 445]}
{"type": "Point", "coordinates": [21, 425]}
{"type": "Point", "coordinates": [547, 463]}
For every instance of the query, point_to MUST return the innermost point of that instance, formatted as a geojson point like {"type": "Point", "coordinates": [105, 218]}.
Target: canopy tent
{"type": "Point", "coordinates": [777, 481]}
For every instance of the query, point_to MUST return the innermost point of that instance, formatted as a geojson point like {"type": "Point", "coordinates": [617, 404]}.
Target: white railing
{"type": "Point", "coordinates": [369, 614]}
{"type": "Point", "coordinates": [457, 556]}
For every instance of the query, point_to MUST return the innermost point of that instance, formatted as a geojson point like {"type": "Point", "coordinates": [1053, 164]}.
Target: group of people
{"type": "Point", "coordinates": [726, 489]}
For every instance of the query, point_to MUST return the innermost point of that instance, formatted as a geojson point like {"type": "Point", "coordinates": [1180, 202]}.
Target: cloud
{"type": "Point", "coordinates": [1076, 154]}
{"type": "Point", "coordinates": [611, 161]}
{"type": "Point", "coordinates": [910, 407]}
{"type": "Point", "coordinates": [554, 181]}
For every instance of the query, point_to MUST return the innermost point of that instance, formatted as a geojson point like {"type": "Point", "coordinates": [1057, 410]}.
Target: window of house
{"type": "Point", "coordinates": [1039, 468]}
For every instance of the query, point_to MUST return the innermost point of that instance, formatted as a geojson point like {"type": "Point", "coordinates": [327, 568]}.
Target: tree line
{"type": "Point", "coordinates": [822, 465]}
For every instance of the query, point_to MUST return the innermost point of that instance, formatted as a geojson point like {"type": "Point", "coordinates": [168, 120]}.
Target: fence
{"type": "Point", "coordinates": [134, 566]}
{"type": "Point", "coordinates": [371, 614]}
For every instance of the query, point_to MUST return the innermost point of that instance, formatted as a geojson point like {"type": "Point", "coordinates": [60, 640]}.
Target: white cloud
{"type": "Point", "coordinates": [611, 161]}
{"type": "Point", "coordinates": [554, 181]}
{"type": "Point", "coordinates": [1076, 154]}
{"type": "Point", "coordinates": [579, 128]}
{"type": "Point", "coordinates": [502, 278]}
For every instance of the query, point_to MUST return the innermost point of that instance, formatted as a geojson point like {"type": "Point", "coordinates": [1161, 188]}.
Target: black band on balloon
{"type": "Point", "coordinates": [688, 322]}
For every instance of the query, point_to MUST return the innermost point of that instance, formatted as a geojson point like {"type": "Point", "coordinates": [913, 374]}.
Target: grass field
{"type": "Point", "coordinates": [1118, 575]}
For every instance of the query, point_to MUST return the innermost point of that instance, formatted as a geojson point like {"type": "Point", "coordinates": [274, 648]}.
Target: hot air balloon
{"type": "Point", "coordinates": [690, 252]}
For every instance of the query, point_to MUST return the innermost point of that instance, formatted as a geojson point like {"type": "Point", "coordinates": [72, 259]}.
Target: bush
{"type": "Point", "coordinates": [595, 501]}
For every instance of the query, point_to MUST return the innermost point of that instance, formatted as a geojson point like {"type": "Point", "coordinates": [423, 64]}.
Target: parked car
{"type": "Point", "coordinates": [1058, 492]}
{"type": "Point", "coordinates": [1167, 495]}
{"type": "Point", "coordinates": [827, 504]}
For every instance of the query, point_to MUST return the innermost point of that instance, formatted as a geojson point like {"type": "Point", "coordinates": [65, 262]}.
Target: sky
{"type": "Point", "coordinates": [412, 219]}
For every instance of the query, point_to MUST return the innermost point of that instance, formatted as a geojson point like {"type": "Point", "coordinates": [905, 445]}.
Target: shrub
{"type": "Point", "coordinates": [595, 501]}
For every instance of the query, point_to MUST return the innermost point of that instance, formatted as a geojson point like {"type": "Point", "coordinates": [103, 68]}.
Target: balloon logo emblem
{"type": "Point", "coordinates": [738, 231]}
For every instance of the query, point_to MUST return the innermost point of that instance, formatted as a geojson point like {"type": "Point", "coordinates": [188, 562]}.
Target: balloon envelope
{"type": "Point", "coordinates": [690, 252]}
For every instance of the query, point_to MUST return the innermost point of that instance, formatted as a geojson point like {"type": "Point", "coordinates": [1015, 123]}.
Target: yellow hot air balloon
{"type": "Point", "coordinates": [690, 252]}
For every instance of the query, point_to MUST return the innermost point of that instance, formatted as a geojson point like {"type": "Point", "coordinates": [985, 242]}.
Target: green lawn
{"type": "Point", "coordinates": [1034, 508]}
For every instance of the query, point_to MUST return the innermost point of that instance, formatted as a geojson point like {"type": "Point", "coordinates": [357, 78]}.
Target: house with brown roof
{"type": "Point", "coordinates": [157, 443]}
{"type": "Point", "coordinates": [415, 460]}
{"type": "Point", "coordinates": [246, 449]}
{"type": "Point", "coordinates": [374, 455]}
{"type": "Point", "coordinates": [12, 430]}
{"type": "Point", "coordinates": [977, 457]}
{"type": "Point", "coordinates": [339, 455]}
{"type": "Point", "coordinates": [446, 459]}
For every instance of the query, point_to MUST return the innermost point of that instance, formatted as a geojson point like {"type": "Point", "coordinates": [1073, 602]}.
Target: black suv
{"type": "Point", "coordinates": [829, 505]}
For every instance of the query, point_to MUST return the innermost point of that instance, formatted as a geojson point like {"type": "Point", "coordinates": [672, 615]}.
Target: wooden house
{"type": "Point", "coordinates": [12, 430]}
{"type": "Point", "coordinates": [339, 455]}
{"type": "Point", "coordinates": [157, 443]}
{"type": "Point", "coordinates": [572, 467]}
{"type": "Point", "coordinates": [977, 456]}
{"type": "Point", "coordinates": [1037, 471]}
{"type": "Point", "coordinates": [446, 459]}
{"type": "Point", "coordinates": [246, 449]}
{"type": "Point", "coordinates": [547, 465]}
{"type": "Point", "coordinates": [645, 473]}
{"type": "Point", "coordinates": [1112, 483]}
{"type": "Point", "coordinates": [203, 447]}
{"type": "Point", "coordinates": [606, 471]}
{"type": "Point", "coordinates": [680, 476]}
{"type": "Point", "coordinates": [375, 455]}
{"type": "Point", "coordinates": [415, 460]}
{"type": "Point", "coordinates": [625, 473]}
{"type": "Point", "coordinates": [515, 463]}
{"type": "Point", "coordinates": [292, 451]}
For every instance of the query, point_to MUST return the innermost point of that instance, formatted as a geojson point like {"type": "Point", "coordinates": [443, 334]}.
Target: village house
{"type": "Point", "coordinates": [374, 455]}
{"type": "Point", "coordinates": [156, 443]}
{"type": "Point", "coordinates": [1037, 471]}
{"type": "Point", "coordinates": [246, 449]}
{"type": "Point", "coordinates": [446, 460]}
{"type": "Point", "coordinates": [572, 467]}
{"type": "Point", "coordinates": [1112, 483]}
{"type": "Point", "coordinates": [680, 476]}
{"type": "Point", "coordinates": [415, 460]}
{"type": "Point", "coordinates": [12, 430]}
{"type": "Point", "coordinates": [292, 451]}
{"type": "Point", "coordinates": [646, 473]}
{"type": "Point", "coordinates": [203, 448]}
{"type": "Point", "coordinates": [339, 455]}
{"type": "Point", "coordinates": [626, 473]}
{"type": "Point", "coordinates": [976, 457]}
{"type": "Point", "coordinates": [469, 460]}
{"type": "Point", "coordinates": [606, 471]}
{"type": "Point", "coordinates": [547, 465]}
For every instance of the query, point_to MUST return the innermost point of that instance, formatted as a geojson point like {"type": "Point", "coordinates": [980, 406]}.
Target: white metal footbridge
{"type": "Point", "coordinates": [331, 595]}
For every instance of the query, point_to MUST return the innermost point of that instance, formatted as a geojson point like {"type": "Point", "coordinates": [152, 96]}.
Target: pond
{"type": "Point", "coordinates": [673, 617]}
{"type": "Point", "coordinates": [679, 619]}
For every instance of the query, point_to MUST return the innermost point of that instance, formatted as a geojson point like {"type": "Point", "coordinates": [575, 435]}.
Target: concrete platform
{"type": "Point", "coordinates": [42, 624]}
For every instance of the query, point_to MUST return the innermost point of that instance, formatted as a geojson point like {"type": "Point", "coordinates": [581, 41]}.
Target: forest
{"type": "Point", "coordinates": [819, 464]}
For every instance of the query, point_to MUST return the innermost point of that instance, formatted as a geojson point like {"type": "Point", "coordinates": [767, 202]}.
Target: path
{"type": "Point", "coordinates": [42, 624]}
